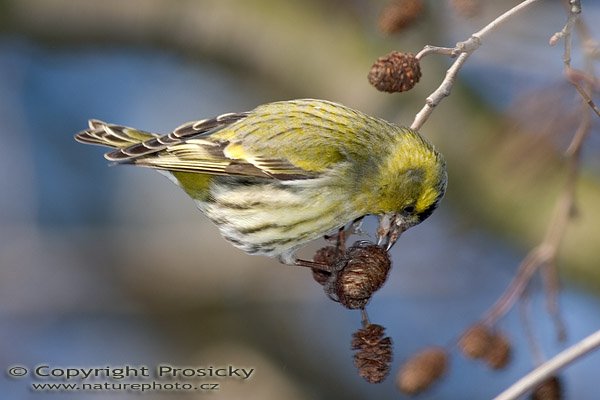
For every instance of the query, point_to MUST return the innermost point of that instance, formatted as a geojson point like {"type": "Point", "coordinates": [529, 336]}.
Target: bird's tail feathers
{"type": "Point", "coordinates": [110, 135]}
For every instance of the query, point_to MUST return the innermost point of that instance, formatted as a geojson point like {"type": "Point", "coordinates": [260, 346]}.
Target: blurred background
{"type": "Point", "coordinates": [112, 266]}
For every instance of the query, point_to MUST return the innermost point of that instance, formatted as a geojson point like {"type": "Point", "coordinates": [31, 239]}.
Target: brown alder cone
{"type": "Point", "coordinates": [466, 8]}
{"type": "Point", "coordinates": [499, 352]}
{"type": "Point", "coordinates": [550, 389]}
{"type": "Point", "coordinates": [374, 353]}
{"type": "Point", "coordinates": [358, 274]}
{"type": "Point", "coordinates": [398, 15]}
{"type": "Point", "coordinates": [395, 72]}
{"type": "Point", "coordinates": [422, 370]}
{"type": "Point", "coordinates": [476, 341]}
{"type": "Point", "coordinates": [328, 256]}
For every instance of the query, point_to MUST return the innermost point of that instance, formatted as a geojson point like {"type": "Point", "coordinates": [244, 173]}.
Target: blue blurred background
{"type": "Point", "coordinates": [114, 265]}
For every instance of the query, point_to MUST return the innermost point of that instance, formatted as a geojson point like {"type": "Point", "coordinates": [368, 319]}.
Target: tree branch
{"type": "Point", "coordinates": [551, 367]}
{"type": "Point", "coordinates": [462, 51]}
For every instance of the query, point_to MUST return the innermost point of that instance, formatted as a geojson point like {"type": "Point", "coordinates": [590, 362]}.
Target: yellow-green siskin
{"type": "Point", "coordinates": [274, 178]}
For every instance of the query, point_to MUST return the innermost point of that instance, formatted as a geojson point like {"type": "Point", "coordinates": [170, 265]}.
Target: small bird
{"type": "Point", "coordinates": [286, 173]}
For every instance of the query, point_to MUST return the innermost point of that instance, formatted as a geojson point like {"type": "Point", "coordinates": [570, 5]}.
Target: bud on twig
{"type": "Point", "coordinates": [399, 14]}
{"type": "Point", "coordinates": [374, 353]}
{"type": "Point", "coordinates": [422, 370]}
{"type": "Point", "coordinates": [358, 274]}
{"type": "Point", "coordinates": [395, 72]}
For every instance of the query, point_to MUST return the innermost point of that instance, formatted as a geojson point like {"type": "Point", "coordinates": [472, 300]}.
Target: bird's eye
{"type": "Point", "coordinates": [408, 209]}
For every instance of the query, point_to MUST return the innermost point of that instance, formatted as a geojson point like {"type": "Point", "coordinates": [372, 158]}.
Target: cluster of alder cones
{"type": "Point", "coordinates": [358, 272]}
{"type": "Point", "coordinates": [355, 274]}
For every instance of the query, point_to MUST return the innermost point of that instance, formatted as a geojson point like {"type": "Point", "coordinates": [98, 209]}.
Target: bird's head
{"type": "Point", "coordinates": [414, 182]}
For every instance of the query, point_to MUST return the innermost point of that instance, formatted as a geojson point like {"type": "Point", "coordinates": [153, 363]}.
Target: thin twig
{"type": "Point", "coordinates": [551, 367]}
{"type": "Point", "coordinates": [574, 20]}
{"type": "Point", "coordinates": [462, 51]}
{"type": "Point", "coordinates": [537, 256]}
{"type": "Point", "coordinates": [586, 97]}
{"type": "Point", "coordinates": [428, 49]}
{"type": "Point", "coordinates": [442, 91]}
{"type": "Point", "coordinates": [364, 317]}
{"type": "Point", "coordinates": [552, 289]}
{"type": "Point", "coordinates": [544, 255]}
{"type": "Point", "coordinates": [502, 18]}
{"type": "Point", "coordinates": [525, 314]}
{"type": "Point", "coordinates": [566, 204]}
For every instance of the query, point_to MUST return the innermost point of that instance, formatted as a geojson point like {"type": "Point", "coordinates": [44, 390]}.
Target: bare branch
{"type": "Point", "coordinates": [442, 91]}
{"type": "Point", "coordinates": [551, 367]}
{"type": "Point", "coordinates": [545, 253]}
{"type": "Point", "coordinates": [462, 51]}
{"type": "Point", "coordinates": [575, 76]}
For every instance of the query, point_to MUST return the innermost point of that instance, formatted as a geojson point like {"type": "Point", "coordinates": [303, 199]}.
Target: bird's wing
{"type": "Point", "coordinates": [194, 147]}
{"type": "Point", "coordinates": [202, 155]}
